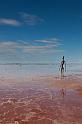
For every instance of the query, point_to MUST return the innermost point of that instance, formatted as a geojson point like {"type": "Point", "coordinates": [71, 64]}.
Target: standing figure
{"type": "Point", "coordinates": [62, 67]}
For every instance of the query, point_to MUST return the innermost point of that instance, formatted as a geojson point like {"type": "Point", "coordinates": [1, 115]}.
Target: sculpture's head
{"type": "Point", "coordinates": [63, 58]}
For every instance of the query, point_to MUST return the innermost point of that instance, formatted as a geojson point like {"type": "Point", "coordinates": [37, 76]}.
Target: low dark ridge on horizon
{"type": "Point", "coordinates": [70, 63]}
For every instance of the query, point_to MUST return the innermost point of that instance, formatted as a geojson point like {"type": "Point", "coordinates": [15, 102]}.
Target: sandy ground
{"type": "Point", "coordinates": [41, 100]}
{"type": "Point", "coordinates": [50, 80]}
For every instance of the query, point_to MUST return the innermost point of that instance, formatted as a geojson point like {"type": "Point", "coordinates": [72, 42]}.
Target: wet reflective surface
{"type": "Point", "coordinates": [41, 99]}
{"type": "Point", "coordinates": [37, 104]}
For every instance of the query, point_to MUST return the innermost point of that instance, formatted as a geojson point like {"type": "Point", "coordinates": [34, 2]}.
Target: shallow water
{"type": "Point", "coordinates": [38, 105]}
{"type": "Point", "coordinates": [19, 70]}
{"type": "Point", "coordinates": [34, 101]}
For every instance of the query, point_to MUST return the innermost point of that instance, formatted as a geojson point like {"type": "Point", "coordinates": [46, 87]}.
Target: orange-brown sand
{"type": "Point", "coordinates": [41, 100]}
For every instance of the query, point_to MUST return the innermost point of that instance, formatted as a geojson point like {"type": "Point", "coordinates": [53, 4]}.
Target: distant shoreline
{"type": "Point", "coordinates": [17, 63]}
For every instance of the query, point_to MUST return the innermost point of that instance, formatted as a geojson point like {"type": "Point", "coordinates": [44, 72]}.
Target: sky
{"type": "Point", "coordinates": [40, 31]}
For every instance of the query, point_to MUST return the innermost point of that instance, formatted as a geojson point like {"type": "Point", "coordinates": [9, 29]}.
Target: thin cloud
{"type": "Point", "coordinates": [26, 18]}
{"type": "Point", "coordinates": [49, 40]}
{"type": "Point", "coordinates": [12, 22]}
{"type": "Point", "coordinates": [26, 47]}
{"type": "Point", "coordinates": [30, 19]}
{"type": "Point", "coordinates": [53, 42]}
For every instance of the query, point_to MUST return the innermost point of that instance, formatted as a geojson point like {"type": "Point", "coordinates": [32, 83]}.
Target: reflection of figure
{"type": "Point", "coordinates": [63, 92]}
{"type": "Point", "coordinates": [62, 67]}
